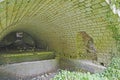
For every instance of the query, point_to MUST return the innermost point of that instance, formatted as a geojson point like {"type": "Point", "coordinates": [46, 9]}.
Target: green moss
{"type": "Point", "coordinates": [26, 56]}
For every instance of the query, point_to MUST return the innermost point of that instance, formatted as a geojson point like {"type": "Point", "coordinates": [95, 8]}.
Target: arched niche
{"type": "Point", "coordinates": [86, 46]}
{"type": "Point", "coordinates": [19, 41]}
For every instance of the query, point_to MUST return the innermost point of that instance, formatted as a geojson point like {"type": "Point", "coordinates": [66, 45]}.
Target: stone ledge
{"type": "Point", "coordinates": [25, 69]}
{"type": "Point", "coordinates": [85, 65]}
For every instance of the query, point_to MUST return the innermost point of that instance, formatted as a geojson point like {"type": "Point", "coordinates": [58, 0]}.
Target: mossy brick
{"type": "Point", "coordinates": [104, 4]}
{"type": "Point", "coordinates": [81, 0]}
{"type": "Point", "coordinates": [88, 5]}
{"type": "Point", "coordinates": [96, 6]}
{"type": "Point", "coordinates": [88, 9]}
{"type": "Point", "coordinates": [96, 2]}
{"type": "Point", "coordinates": [52, 16]}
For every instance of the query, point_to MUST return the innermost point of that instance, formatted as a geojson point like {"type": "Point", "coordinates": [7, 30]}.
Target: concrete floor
{"type": "Point", "coordinates": [44, 70]}
{"type": "Point", "coordinates": [46, 76]}
{"type": "Point", "coordinates": [28, 70]}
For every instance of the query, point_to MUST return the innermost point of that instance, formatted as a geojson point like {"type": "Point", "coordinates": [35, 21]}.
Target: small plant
{"type": "Point", "coordinates": [115, 63]}
{"type": "Point", "coordinates": [67, 75]}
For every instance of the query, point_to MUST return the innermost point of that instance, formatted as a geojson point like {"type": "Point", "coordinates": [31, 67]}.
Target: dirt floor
{"type": "Point", "coordinates": [46, 76]}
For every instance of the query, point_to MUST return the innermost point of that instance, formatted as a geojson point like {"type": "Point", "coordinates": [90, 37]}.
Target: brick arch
{"type": "Point", "coordinates": [57, 22]}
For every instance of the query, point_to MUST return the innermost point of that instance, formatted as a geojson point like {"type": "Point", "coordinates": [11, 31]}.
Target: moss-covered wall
{"type": "Point", "coordinates": [57, 23]}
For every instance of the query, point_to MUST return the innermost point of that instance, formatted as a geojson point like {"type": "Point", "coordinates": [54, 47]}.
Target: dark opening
{"type": "Point", "coordinates": [19, 41]}
{"type": "Point", "coordinates": [102, 64]}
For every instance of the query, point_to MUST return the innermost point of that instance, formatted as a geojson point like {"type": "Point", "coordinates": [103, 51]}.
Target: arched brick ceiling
{"type": "Point", "coordinates": [57, 22]}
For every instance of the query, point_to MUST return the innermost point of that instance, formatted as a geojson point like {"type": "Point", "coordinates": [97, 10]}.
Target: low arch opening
{"type": "Point", "coordinates": [20, 41]}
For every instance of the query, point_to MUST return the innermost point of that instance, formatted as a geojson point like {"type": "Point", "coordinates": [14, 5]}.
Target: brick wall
{"type": "Point", "coordinates": [57, 23]}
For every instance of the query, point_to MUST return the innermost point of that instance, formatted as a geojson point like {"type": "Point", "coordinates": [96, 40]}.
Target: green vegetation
{"type": "Point", "coordinates": [111, 73]}
{"type": "Point", "coordinates": [114, 26]}
{"type": "Point", "coordinates": [116, 3]}
{"type": "Point", "coordinates": [66, 75]}
{"type": "Point", "coordinates": [26, 56]}
{"type": "Point", "coordinates": [113, 20]}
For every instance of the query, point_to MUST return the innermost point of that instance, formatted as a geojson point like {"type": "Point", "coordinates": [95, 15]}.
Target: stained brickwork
{"type": "Point", "coordinates": [56, 23]}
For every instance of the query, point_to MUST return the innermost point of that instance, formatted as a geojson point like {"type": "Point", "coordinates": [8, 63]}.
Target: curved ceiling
{"type": "Point", "coordinates": [57, 22]}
